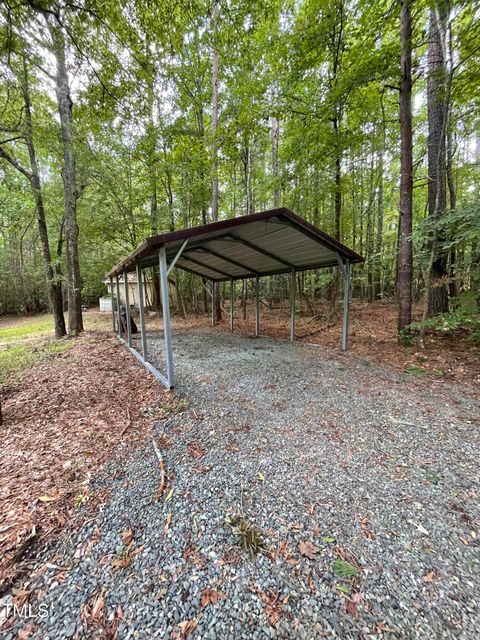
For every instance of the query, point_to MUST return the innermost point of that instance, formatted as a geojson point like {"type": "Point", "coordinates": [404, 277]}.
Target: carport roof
{"type": "Point", "coordinates": [265, 243]}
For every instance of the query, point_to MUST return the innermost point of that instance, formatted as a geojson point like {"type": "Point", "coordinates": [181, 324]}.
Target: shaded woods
{"type": "Point", "coordinates": [121, 123]}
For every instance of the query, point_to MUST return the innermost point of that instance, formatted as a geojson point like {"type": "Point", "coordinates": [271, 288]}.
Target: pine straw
{"type": "Point", "coordinates": [62, 421]}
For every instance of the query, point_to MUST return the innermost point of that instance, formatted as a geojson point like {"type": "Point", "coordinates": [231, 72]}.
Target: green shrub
{"type": "Point", "coordinates": [465, 315]}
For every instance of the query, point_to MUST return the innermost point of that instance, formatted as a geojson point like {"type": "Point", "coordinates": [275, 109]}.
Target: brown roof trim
{"type": "Point", "coordinates": [284, 214]}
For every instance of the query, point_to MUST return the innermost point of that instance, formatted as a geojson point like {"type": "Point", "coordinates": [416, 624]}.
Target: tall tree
{"type": "Point", "coordinates": [437, 101]}
{"type": "Point", "coordinates": [215, 193]}
{"type": "Point", "coordinates": [71, 194]}
{"type": "Point", "coordinates": [404, 268]}
{"type": "Point", "coordinates": [52, 268]}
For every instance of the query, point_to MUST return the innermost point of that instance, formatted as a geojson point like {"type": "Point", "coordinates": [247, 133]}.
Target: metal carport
{"type": "Point", "coordinates": [262, 244]}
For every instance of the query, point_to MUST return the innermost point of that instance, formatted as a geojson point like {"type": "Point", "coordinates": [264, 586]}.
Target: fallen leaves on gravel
{"type": "Point", "coordinates": [95, 620]}
{"type": "Point", "coordinates": [352, 603]}
{"type": "Point", "coordinates": [204, 468]}
{"type": "Point", "coordinates": [195, 450]}
{"type": "Point", "coordinates": [430, 576]}
{"type": "Point", "coordinates": [127, 537]}
{"type": "Point", "coordinates": [309, 549]}
{"type": "Point", "coordinates": [186, 628]}
{"type": "Point", "coordinates": [273, 606]}
{"type": "Point", "coordinates": [62, 420]}
{"type": "Point", "coordinates": [211, 596]}
{"type": "Point", "coordinates": [27, 631]}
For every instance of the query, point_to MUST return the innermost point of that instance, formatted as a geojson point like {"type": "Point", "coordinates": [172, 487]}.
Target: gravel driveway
{"type": "Point", "coordinates": [362, 482]}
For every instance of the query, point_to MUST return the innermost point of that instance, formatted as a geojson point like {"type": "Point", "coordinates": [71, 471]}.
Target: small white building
{"type": "Point", "coordinates": [147, 284]}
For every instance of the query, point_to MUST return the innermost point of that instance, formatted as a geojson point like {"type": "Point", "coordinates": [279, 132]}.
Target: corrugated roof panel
{"type": "Point", "coordinates": [205, 271]}
{"type": "Point", "coordinates": [217, 263]}
{"type": "Point", "coordinates": [240, 252]}
{"type": "Point", "coordinates": [293, 240]}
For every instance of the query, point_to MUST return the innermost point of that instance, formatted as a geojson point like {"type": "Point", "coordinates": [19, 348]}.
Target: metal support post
{"type": "Point", "coordinates": [179, 253]}
{"type": "Point", "coordinates": [213, 303]}
{"type": "Point", "coordinates": [112, 300]}
{"type": "Point", "coordinates": [232, 300]}
{"type": "Point", "coordinates": [142, 311]}
{"type": "Point", "coordinates": [292, 305]}
{"type": "Point", "coordinates": [127, 307]}
{"type": "Point", "coordinates": [167, 330]}
{"type": "Point", "coordinates": [257, 305]}
{"type": "Point", "coordinates": [119, 319]}
{"type": "Point", "coordinates": [347, 276]}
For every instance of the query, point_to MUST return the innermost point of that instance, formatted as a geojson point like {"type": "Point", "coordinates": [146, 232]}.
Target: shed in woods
{"type": "Point", "coordinates": [262, 244]}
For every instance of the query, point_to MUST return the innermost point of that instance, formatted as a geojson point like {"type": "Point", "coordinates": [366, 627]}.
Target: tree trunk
{"type": "Point", "coordinates": [52, 272]}
{"type": "Point", "coordinates": [62, 89]}
{"type": "Point", "coordinates": [437, 120]}
{"type": "Point", "coordinates": [404, 268]}
{"type": "Point", "coordinates": [274, 132]}
{"type": "Point", "coordinates": [54, 285]}
{"type": "Point", "coordinates": [215, 195]}
{"type": "Point", "coordinates": [379, 245]}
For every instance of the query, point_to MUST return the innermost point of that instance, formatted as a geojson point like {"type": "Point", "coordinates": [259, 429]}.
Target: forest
{"type": "Point", "coordinates": [122, 120]}
{"type": "Point", "coordinates": [254, 480]}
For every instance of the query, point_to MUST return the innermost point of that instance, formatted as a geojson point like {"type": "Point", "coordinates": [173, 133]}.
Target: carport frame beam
{"type": "Point", "coordinates": [112, 300]}
{"type": "Point", "coordinates": [346, 269]}
{"type": "Point", "coordinates": [119, 319]}
{"type": "Point", "coordinates": [292, 305]}
{"type": "Point", "coordinates": [232, 291]}
{"type": "Point", "coordinates": [127, 308]}
{"type": "Point", "coordinates": [257, 305]}
{"type": "Point", "coordinates": [141, 308]}
{"type": "Point", "coordinates": [167, 328]}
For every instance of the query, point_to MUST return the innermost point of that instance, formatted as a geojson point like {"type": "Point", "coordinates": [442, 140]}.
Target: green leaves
{"type": "Point", "coordinates": [343, 569]}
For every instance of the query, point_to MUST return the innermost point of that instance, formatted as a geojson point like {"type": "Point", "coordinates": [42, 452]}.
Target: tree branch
{"type": "Point", "coordinates": [15, 164]}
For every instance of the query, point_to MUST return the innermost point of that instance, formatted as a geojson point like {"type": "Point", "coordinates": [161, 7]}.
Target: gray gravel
{"type": "Point", "coordinates": [311, 445]}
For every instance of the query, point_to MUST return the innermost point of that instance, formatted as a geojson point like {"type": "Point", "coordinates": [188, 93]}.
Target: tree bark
{"type": "Point", "coordinates": [379, 244]}
{"type": "Point", "coordinates": [215, 193]}
{"type": "Point", "coordinates": [71, 194]}
{"type": "Point", "coordinates": [54, 283]}
{"type": "Point", "coordinates": [437, 103]}
{"type": "Point", "coordinates": [275, 133]}
{"type": "Point", "coordinates": [52, 272]}
{"type": "Point", "coordinates": [404, 268]}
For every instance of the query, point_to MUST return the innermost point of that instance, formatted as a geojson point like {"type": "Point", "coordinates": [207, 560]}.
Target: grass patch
{"type": "Point", "coordinates": [29, 329]}
{"type": "Point", "coordinates": [28, 340]}
{"type": "Point", "coordinates": [15, 359]}
{"type": "Point", "coordinates": [419, 372]}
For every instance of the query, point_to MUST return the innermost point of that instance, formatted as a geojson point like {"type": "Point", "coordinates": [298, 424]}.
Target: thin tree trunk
{"type": "Point", "coordinates": [215, 194]}
{"type": "Point", "coordinates": [453, 287]}
{"type": "Point", "coordinates": [74, 292]}
{"type": "Point", "coordinates": [275, 132]}
{"type": "Point", "coordinates": [379, 245]}
{"type": "Point", "coordinates": [437, 103]}
{"type": "Point", "coordinates": [52, 273]}
{"type": "Point", "coordinates": [54, 285]}
{"type": "Point", "coordinates": [404, 269]}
